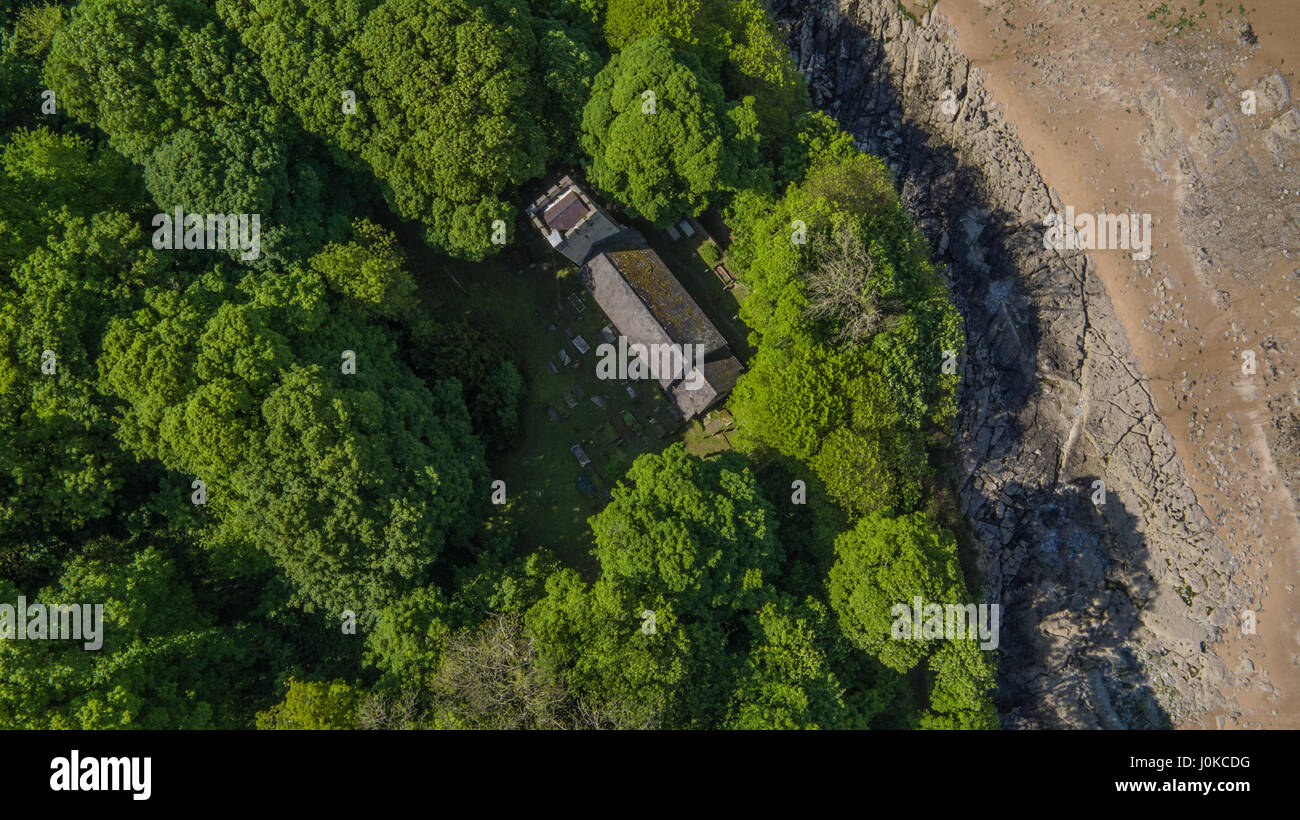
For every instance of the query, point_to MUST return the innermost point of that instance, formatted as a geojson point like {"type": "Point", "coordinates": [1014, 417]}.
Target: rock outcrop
{"type": "Point", "coordinates": [1113, 584]}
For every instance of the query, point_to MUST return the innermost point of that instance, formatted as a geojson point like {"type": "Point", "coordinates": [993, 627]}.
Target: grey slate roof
{"type": "Point", "coordinates": [649, 306]}
{"type": "Point", "coordinates": [629, 257]}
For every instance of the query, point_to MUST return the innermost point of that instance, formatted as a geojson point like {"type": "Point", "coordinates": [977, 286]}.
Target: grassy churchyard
{"type": "Point", "coordinates": [535, 300]}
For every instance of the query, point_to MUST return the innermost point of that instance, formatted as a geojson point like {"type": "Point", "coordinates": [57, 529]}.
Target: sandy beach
{"type": "Point", "coordinates": [1142, 112]}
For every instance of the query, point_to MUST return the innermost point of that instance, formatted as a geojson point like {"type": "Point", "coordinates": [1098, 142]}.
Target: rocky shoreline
{"type": "Point", "coordinates": [1110, 610]}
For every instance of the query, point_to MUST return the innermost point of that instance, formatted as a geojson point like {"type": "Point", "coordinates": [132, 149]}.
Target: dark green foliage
{"type": "Point", "coordinates": [694, 542]}
{"type": "Point", "coordinates": [163, 664]}
{"type": "Point", "coordinates": [484, 364]}
{"type": "Point", "coordinates": [185, 101]}
{"type": "Point", "coordinates": [567, 63]}
{"type": "Point", "coordinates": [371, 271]}
{"type": "Point", "coordinates": [788, 682]}
{"type": "Point", "coordinates": [456, 111]}
{"type": "Point", "coordinates": [708, 251]}
{"type": "Point", "coordinates": [455, 101]}
{"type": "Point", "coordinates": [734, 42]}
{"type": "Point", "coordinates": [657, 131]}
{"type": "Point", "coordinates": [313, 705]}
{"type": "Point", "coordinates": [353, 483]}
{"type": "Point", "coordinates": [340, 415]}
{"type": "Point", "coordinates": [19, 95]}
{"type": "Point", "coordinates": [26, 30]}
{"type": "Point", "coordinates": [407, 640]}
{"type": "Point", "coordinates": [963, 681]}
{"type": "Point", "coordinates": [307, 53]}
{"type": "Point", "coordinates": [885, 561]}
{"type": "Point", "coordinates": [69, 268]}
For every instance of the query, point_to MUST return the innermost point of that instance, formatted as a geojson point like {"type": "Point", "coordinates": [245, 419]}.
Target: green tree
{"type": "Point", "coordinates": [759, 66]}
{"type": "Point", "coordinates": [178, 94]}
{"type": "Point", "coordinates": [69, 268]}
{"type": "Point", "coordinates": [856, 328]}
{"type": "Point", "coordinates": [871, 470]}
{"type": "Point", "coordinates": [791, 399]}
{"type": "Point", "coordinates": [498, 404]}
{"type": "Point", "coordinates": [352, 482]}
{"type": "Point", "coordinates": [452, 103]}
{"type": "Point", "coordinates": [913, 355]}
{"type": "Point", "coordinates": [961, 692]}
{"type": "Point", "coordinates": [482, 360]}
{"type": "Point", "coordinates": [735, 42]}
{"type": "Point", "coordinates": [884, 562]}
{"type": "Point", "coordinates": [567, 63]}
{"type": "Point", "coordinates": [142, 70]}
{"type": "Point", "coordinates": [657, 131]}
{"type": "Point", "coordinates": [307, 52]}
{"type": "Point", "coordinates": [163, 663]}
{"type": "Point", "coordinates": [313, 705]}
{"type": "Point", "coordinates": [371, 271]}
{"type": "Point", "coordinates": [691, 541]}
{"type": "Point", "coordinates": [788, 682]}
{"type": "Point", "coordinates": [694, 531]}
{"type": "Point", "coordinates": [44, 173]}
{"type": "Point", "coordinates": [627, 21]}
{"type": "Point", "coordinates": [457, 110]}
{"type": "Point", "coordinates": [35, 27]}
{"type": "Point", "coordinates": [408, 640]}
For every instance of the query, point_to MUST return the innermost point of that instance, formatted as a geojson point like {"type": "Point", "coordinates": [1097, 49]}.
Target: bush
{"type": "Point", "coordinates": [708, 251]}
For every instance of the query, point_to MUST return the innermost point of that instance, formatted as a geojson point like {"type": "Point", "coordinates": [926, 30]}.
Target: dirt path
{"type": "Point", "coordinates": [1130, 113]}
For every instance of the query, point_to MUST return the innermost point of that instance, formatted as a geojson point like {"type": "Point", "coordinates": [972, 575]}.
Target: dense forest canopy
{"type": "Point", "coordinates": [276, 472]}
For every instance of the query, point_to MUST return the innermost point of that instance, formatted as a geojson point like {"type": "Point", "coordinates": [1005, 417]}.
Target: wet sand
{"type": "Point", "coordinates": [1113, 106]}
